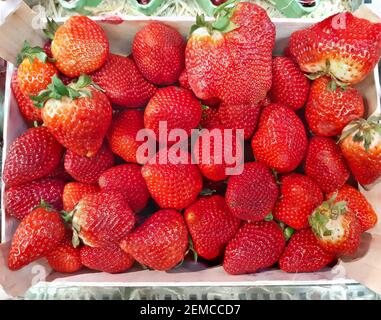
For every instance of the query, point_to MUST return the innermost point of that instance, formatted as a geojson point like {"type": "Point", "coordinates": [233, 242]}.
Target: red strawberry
{"type": "Point", "coordinates": [344, 46]}
{"type": "Point", "coordinates": [102, 218]}
{"type": "Point", "coordinates": [158, 51]}
{"type": "Point", "coordinates": [123, 82]}
{"type": "Point", "coordinates": [160, 243]}
{"type": "Point", "coordinates": [88, 170]}
{"type": "Point", "coordinates": [304, 254]}
{"type": "Point", "coordinates": [210, 118]}
{"type": "Point", "coordinates": [256, 246]}
{"type": "Point", "coordinates": [252, 194]}
{"type": "Point", "coordinates": [59, 172]}
{"type": "Point", "coordinates": [183, 80]}
{"type": "Point", "coordinates": [325, 164]}
{"type": "Point", "coordinates": [111, 259]}
{"type": "Point", "coordinates": [20, 200]}
{"type": "Point", "coordinates": [33, 155]}
{"type": "Point", "coordinates": [290, 86]}
{"type": "Point", "coordinates": [38, 234]}
{"type": "Point", "coordinates": [74, 191]}
{"type": "Point", "coordinates": [329, 109]}
{"type": "Point", "coordinates": [336, 227]}
{"type": "Point", "coordinates": [300, 195]}
{"type": "Point", "coordinates": [128, 180]}
{"type": "Point", "coordinates": [47, 48]}
{"type": "Point", "coordinates": [360, 144]}
{"type": "Point", "coordinates": [280, 141]}
{"type": "Point", "coordinates": [230, 59]}
{"type": "Point", "coordinates": [357, 203]}
{"type": "Point", "coordinates": [211, 225]}
{"type": "Point", "coordinates": [79, 46]}
{"type": "Point", "coordinates": [172, 185]}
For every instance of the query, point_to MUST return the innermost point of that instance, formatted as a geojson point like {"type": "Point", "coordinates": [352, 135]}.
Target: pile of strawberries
{"type": "Point", "coordinates": [86, 199]}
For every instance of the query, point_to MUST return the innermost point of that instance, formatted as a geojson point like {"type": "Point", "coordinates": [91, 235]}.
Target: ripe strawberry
{"type": "Point", "coordinates": [230, 58]}
{"type": "Point", "coordinates": [20, 200]}
{"type": "Point", "coordinates": [160, 243]}
{"type": "Point", "coordinates": [325, 164]}
{"type": "Point", "coordinates": [304, 254]}
{"type": "Point", "coordinates": [252, 194]}
{"type": "Point", "coordinates": [183, 80]}
{"type": "Point", "coordinates": [128, 180]}
{"type": "Point", "coordinates": [79, 46]}
{"type": "Point", "coordinates": [123, 82]}
{"type": "Point", "coordinates": [336, 227]}
{"type": "Point", "coordinates": [111, 259]}
{"type": "Point", "coordinates": [33, 155]}
{"type": "Point", "coordinates": [300, 195]}
{"type": "Point", "coordinates": [172, 184]}
{"type": "Point", "coordinates": [360, 144]}
{"type": "Point", "coordinates": [74, 191]}
{"type": "Point", "coordinates": [102, 218]}
{"type": "Point", "coordinates": [342, 45]}
{"type": "Point", "coordinates": [177, 106]}
{"type": "Point", "coordinates": [210, 118]}
{"type": "Point", "coordinates": [329, 109]}
{"type": "Point", "coordinates": [88, 169]}
{"type": "Point", "coordinates": [280, 141]}
{"type": "Point", "coordinates": [39, 233]}
{"type": "Point", "coordinates": [289, 86]}
{"type": "Point", "coordinates": [256, 246]}
{"type": "Point", "coordinates": [158, 51]}
{"type": "Point", "coordinates": [211, 225]}
{"type": "Point", "coordinates": [59, 172]}
{"type": "Point", "coordinates": [357, 203]}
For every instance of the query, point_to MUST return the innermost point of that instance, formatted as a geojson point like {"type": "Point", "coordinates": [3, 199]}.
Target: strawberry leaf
{"type": "Point", "coordinates": [31, 53]}
{"type": "Point", "coordinates": [50, 29]}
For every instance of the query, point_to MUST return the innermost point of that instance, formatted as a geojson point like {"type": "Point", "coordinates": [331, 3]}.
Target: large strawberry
{"type": "Point", "coordinates": [39, 233]}
{"type": "Point", "coordinates": [158, 51]}
{"type": "Point", "coordinates": [74, 191]}
{"type": "Point", "coordinates": [256, 246]}
{"type": "Point", "coordinates": [300, 195]}
{"type": "Point", "coordinates": [161, 242]}
{"type": "Point", "coordinates": [330, 108]}
{"type": "Point", "coordinates": [20, 200]}
{"type": "Point", "coordinates": [280, 141]}
{"type": "Point", "coordinates": [123, 82]}
{"type": "Point", "coordinates": [325, 164]}
{"type": "Point", "coordinates": [252, 194]}
{"type": "Point", "coordinates": [211, 225]}
{"type": "Point", "coordinates": [230, 58]}
{"type": "Point", "coordinates": [33, 155]}
{"type": "Point", "coordinates": [304, 254]}
{"type": "Point", "coordinates": [343, 46]}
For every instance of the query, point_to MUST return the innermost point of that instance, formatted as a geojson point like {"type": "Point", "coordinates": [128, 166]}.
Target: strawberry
{"type": "Point", "coordinates": [128, 180]}
{"type": "Point", "coordinates": [74, 191]}
{"type": "Point", "coordinates": [336, 227]}
{"type": "Point", "coordinates": [360, 144]}
{"type": "Point", "coordinates": [256, 246]}
{"type": "Point", "coordinates": [33, 155]}
{"type": "Point", "coordinates": [211, 225]}
{"type": "Point", "coordinates": [111, 259]}
{"type": "Point", "coordinates": [183, 80]}
{"type": "Point", "coordinates": [123, 82]}
{"type": "Point", "coordinates": [177, 106]}
{"type": "Point", "coordinates": [289, 86]}
{"type": "Point", "coordinates": [280, 141]}
{"type": "Point", "coordinates": [357, 203]}
{"type": "Point", "coordinates": [59, 172]}
{"type": "Point", "coordinates": [230, 58]}
{"type": "Point", "coordinates": [300, 195]}
{"type": "Point", "coordinates": [210, 118]}
{"type": "Point", "coordinates": [325, 164]}
{"type": "Point", "coordinates": [38, 234]}
{"type": "Point", "coordinates": [20, 200]}
{"type": "Point", "coordinates": [172, 184]}
{"type": "Point", "coordinates": [88, 169]}
{"type": "Point", "coordinates": [78, 46]}
{"type": "Point", "coordinates": [304, 254]}
{"type": "Point", "coordinates": [158, 51]}
{"type": "Point", "coordinates": [160, 243]}
{"type": "Point", "coordinates": [330, 108]}
{"type": "Point", "coordinates": [342, 45]}
{"type": "Point", "coordinates": [102, 218]}
{"type": "Point", "coordinates": [252, 194]}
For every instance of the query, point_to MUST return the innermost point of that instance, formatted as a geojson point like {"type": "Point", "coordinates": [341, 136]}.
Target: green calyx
{"type": "Point", "coordinates": [43, 204]}
{"type": "Point", "coordinates": [31, 53]}
{"type": "Point", "coordinates": [334, 83]}
{"type": "Point", "coordinates": [192, 249]}
{"type": "Point", "coordinates": [51, 28]}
